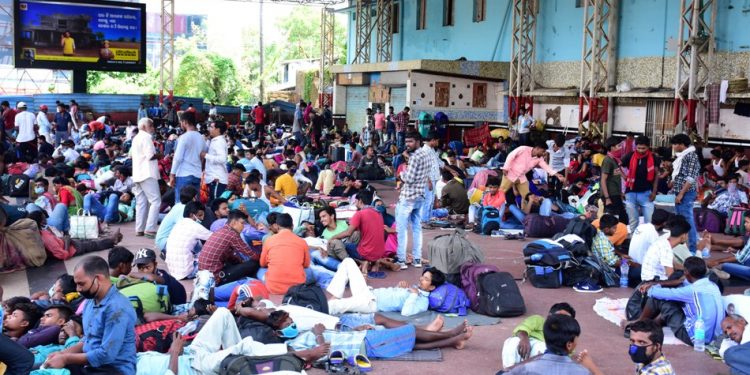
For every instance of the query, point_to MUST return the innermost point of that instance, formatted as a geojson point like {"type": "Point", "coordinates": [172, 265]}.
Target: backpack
{"type": "Point", "coordinates": [582, 229]}
{"type": "Point", "coordinates": [448, 252]}
{"type": "Point", "coordinates": [535, 225]}
{"type": "Point", "coordinates": [156, 336]}
{"type": "Point", "coordinates": [236, 364]}
{"type": "Point", "coordinates": [607, 275]}
{"type": "Point", "coordinates": [708, 220]}
{"type": "Point", "coordinates": [489, 220]}
{"type": "Point", "coordinates": [145, 295]}
{"type": "Point", "coordinates": [545, 253]}
{"type": "Point", "coordinates": [253, 288]}
{"type": "Point", "coordinates": [547, 277]}
{"type": "Point", "coordinates": [448, 298]}
{"type": "Point", "coordinates": [307, 295]}
{"type": "Point", "coordinates": [254, 206]}
{"type": "Point", "coordinates": [499, 295]}
{"type": "Point", "coordinates": [259, 331]}
{"type": "Point", "coordinates": [17, 186]}
{"type": "Point", "coordinates": [470, 273]}
{"type": "Point", "coordinates": [574, 244]}
{"type": "Point", "coordinates": [736, 221]}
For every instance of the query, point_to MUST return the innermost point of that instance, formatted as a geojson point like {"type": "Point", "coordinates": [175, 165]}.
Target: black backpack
{"type": "Point", "coordinates": [581, 228]}
{"type": "Point", "coordinates": [236, 364]}
{"type": "Point", "coordinates": [18, 186]}
{"type": "Point", "coordinates": [307, 295]}
{"type": "Point", "coordinates": [499, 295]}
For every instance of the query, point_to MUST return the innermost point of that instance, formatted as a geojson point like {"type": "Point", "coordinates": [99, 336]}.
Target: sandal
{"type": "Point", "coordinates": [336, 357]}
{"type": "Point", "coordinates": [139, 234]}
{"type": "Point", "coordinates": [361, 361]}
{"type": "Point", "coordinates": [150, 235]}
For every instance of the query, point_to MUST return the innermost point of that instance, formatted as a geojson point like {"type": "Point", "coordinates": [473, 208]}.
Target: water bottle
{"type": "Point", "coordinates": [624, 269]}
{"type": "Point", "coordinates": [706, 252]}
{"type": "Point", "coordinates": [699, 335]}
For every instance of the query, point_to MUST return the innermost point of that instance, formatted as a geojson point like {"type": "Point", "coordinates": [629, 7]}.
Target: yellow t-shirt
{"type": "Point", "coordinates": [286, 185]}
{"type": "Point", "coordinates": [68, 44]}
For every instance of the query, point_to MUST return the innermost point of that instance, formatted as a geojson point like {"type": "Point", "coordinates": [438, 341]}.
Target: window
{"type": "Point", "coordinates": [479, 96]}
{"type": "Point", "coordinates": [448, 12]}
{"type": "Point", "coordinates": [394, 18]}
{"type": "Point", "coordinates": [442, 94]}
{"type": "Point", "coordinates": [421, 14]}
{"type": "Point", "coordinates": [480, 10]}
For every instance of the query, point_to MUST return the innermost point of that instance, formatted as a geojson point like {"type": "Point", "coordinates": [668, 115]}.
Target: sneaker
{"type": "Point", "coordinates": [401, 265]}
{"type": "Point", "coordinates": [587, 287]}
{"type": "Point", "coordinates": [417, 263]}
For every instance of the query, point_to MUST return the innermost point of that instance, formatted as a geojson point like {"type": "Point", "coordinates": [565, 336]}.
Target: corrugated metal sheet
{"type": "Point", "coordinates": [398, 98]}
{"type": "Point", "coordinates": [357, 99]}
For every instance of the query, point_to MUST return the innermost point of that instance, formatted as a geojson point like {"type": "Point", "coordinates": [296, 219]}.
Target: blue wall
{"type": "Point", "coordinates": [645, 29]}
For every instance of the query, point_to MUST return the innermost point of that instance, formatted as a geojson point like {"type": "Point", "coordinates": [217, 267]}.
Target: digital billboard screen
{"type": "Point", "coordinates": [85, 35]}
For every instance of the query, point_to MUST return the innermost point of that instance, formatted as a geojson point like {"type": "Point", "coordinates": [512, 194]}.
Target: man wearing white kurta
{"type": "Point", "coordinates": [216, 175]}
{"type": "Point", "coordinates": [145, 179]}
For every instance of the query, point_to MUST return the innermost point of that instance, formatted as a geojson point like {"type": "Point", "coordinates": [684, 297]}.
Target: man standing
{"type": "Point", "coordinates": [9, 118]}
{"type": "Point", "coordinates": [63, 124]}
{"type": "Point", "coordinates": [646, 340]}
{"type": "Point", "coordinates": [379, 118]}
{"type": "Point", "coordinates": [611, 183]}
{"type": "Point", "coordinates": [559, 159]}
{"type": "Point", "coordinates": [684, 179]}
{"type": "Point", "coordinates": [45, 128]}
{"type": "Point", "coordinates": [108, 345]}
{"type": "Point", "coordinates": [260, 120]}
{"type": "Point", "coordinates": [142, 112]}
{"type": "Point", "coordinates": [415, 182]}
{"type": "Point", "coordinates": [186, 163]}
{"type": "Point", "coordinates": [523, 126]}
{"type": "Point", "coordinates": [26, 137]}
{"type": "Point", "coordinates": [390, 126]}
{"type": "Point", "coordinates": [298, 125]}
{"type": "Point", "coordinates": [216, 176]}
{"type": "Point", "coordinates": [402, 121]}
{"type": "Point", "coordinates": [430, 147]}
{"type": "Point", "coordinates": [145, 179]}
{"type": "Point", "coordinates": [641, 182]}
{"type": "Point", "coordinates": [519, 162]}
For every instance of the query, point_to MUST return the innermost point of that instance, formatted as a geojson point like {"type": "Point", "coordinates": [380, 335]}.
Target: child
{"type": "Point", "coordinates": [145, 262]}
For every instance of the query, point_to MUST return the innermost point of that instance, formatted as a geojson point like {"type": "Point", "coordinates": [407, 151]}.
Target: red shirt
{"type": "Point", "coordinates": [66, 197]}
{"type": "Point", "coordinates": [9, 118]}
{"type": "Point", "coordinates": [259, 114]}
{"type": "Point", "coordinates": [370, 223]}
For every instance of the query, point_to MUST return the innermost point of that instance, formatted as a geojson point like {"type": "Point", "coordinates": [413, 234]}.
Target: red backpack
{"type": "Point", "coordinates": [156, 336]}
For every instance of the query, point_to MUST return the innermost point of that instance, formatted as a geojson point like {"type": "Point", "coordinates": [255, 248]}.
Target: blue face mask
{"type": "Point", "coordinates": [289, 332]}
{"type": "Point", "coordinates": [380, 209]}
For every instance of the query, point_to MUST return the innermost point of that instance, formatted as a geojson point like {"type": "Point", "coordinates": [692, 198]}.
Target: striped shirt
{"type": "Point", "coordinates": [660, 366]}
{"type": "Point", "coordinates": [689, 171]}
{"type": "Point", "coordinates": [416, 175]}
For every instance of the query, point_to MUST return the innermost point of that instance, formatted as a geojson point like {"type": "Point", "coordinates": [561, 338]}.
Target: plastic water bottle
{"type": "Point", "coordinates": [624, 269]}
{"type": "Point", "coordinates": [706, 252]}
{"type": "Point", "coordinates": [699, 335]}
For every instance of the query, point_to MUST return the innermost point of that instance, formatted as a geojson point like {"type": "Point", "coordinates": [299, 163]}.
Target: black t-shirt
{"type": "Point", "coordinates": [177, 293]}
{"type": "Point", "coordinates": [14, 213]}
{"type": "Point", "coordinates": [641, 172]}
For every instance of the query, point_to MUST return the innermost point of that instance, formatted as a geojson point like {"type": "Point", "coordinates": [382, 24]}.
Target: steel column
{"type": "Point", "coordinates": [363, 32]}
{"type": "Point", "coordinates": [384, 23]}
{"type": "Point", "coordinates": [523, 55]}
{"type": "Point", "coordinates": [166, 71]}
{"type": "Point", "coordinates": [327, 28]}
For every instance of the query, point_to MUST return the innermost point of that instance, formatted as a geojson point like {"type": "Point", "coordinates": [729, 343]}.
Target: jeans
{"type": "Point", "coordinates": [17, 358]}
{"type": "Point", "coordinates": [429, 202]}
{"type": "Point", "coordinates": [515, 222]}
{"type": "Point", "coordinates": [108, 213]}
{"type": "Point", "coordinates": [408, 214]}
{"type": "Point", "coordinates": [300, 139]}
{"type": "Point", "coordinates": [215, 190]}
{"type": "Point", "coordinates": [685, 209]}
{"type": "Point", "coordinates": [61, 136]}
{"type": "Point", "coordinates": [328, 262]}
{"type": "Point", "coordinates": [60, 218]}
{"type": "Point", "coordinates": [741, 270]}
{"type": "Point", "coordinates": [319, 274]}
{"type": "Point", "coordinates": [401, 140]}
{"type": "Point", "coordinates": [351, 249]}
{"type": "Point", "coordinates": [234, 272]}
{"type": "Point", "coordinates": [183, 181]}
{"type": "Point", "coordinates": [634, 201]}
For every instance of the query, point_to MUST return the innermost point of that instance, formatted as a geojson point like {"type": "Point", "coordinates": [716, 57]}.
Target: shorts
{"type": "Point", "coordinates": [349, 322]}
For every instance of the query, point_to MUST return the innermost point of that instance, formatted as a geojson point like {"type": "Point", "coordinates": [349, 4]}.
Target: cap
{"type": "Point", "coordinates": [21, 105]}
{"type": "Point", "coordinates": [43, 107]}
{"type": "Point", "coordinates": [144, 256]}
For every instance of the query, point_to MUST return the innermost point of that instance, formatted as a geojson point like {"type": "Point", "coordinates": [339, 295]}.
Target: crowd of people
{"type": "Point", "coordinates": [235, 207]}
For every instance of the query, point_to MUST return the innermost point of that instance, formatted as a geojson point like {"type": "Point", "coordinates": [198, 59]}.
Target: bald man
{"type": "Point", "coordinates": [145, 179]}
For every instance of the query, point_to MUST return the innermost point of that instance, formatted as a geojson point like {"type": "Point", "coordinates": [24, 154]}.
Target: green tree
{"type": "Point", "coordinates": [208, 75]}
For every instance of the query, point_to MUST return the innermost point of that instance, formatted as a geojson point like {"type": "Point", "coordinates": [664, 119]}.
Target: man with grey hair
{"type": "Point", "coordinates": [145, 179]}
{"type": "Point", "coordinates": [735, 349]}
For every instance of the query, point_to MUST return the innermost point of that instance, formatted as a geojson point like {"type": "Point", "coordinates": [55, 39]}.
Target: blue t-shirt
{"type": "Point", "coordinates": [109, 334]}
{"type": "Point", "coordinates": [62, 120]}
{"type": "Point", "coordinates": [187, 155]}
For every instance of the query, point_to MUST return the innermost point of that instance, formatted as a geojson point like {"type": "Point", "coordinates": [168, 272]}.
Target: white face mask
{"type": "Point", "coordinates": [253, 194]}
{"type": "Point", "coordinates": [732, 187]}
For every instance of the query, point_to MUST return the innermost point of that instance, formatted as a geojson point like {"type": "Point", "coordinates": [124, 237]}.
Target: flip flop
{"type": "Point", "coordinates": [336, 357]}
{"type": "Point", "coordinates": [376, 275]}
{"type": "Point", "coordinates": [362, 362]}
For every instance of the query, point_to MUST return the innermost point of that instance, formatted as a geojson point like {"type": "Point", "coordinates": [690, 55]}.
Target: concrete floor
{"type": "Point", "coordinates": [602, 339]}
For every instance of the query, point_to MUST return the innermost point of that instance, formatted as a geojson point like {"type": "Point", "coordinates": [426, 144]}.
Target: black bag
{"type": "Point", "coordinates": [634, 308]}
{"type": "Point", "coordinates": [546, 277]}
{"type": "Point", "coordinates": [576, 273]}
{"type": "Point", "coordinates": [18, 186]}
{"type": "Point", "coordinates": [499, 295]}
{"type": "Point", "coordinates": [538, 226]}
{"type": "Point", "coordinates": [608, 277]}
{"type": "Point", "coordinates": [235, 364]}
{"type": "Point", "coordinates": [307, 295]}
{"type": "Point", "coordinates": [259, 331]}
{"type": "Point", "coordinates": [581, 228]}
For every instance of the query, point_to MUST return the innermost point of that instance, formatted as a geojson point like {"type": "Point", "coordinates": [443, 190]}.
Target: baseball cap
{"type": "Point", "coordinates": [43, 107]}
{"type": "Point", "coordinates": [144, 256]}
{"type": "Point", "coordinates": [21, 105]}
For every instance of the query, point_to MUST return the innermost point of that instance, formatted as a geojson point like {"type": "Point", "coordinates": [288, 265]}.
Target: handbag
{"type": "Point", "coordinates": [84, 226]}
{"type": "Point", "coordinates": [299, 214]}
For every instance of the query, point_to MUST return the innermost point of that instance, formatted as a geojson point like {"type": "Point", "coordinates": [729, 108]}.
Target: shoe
{"type": "Point", "coordinates": [402, 265]}
{"type": "Point", "coordinates": [417, 263]}
{"type": "Point", "coordinates": [721, 274]}
{"type": "Point", "coordinates": [587, 287]}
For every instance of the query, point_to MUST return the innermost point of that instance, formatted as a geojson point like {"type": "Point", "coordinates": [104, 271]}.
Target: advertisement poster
{"type": "Point", "coordinates": [80, 35]}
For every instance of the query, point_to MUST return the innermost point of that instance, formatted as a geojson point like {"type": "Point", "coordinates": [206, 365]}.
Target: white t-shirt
{"type": "Point", "coordinates": [659, 256]}
{"type": "Point", "coordinates": [180, 244]}
{"type": "Point", "coordinates": [644, 235]}
{"type": "Point", "coordinates": [25, 122]}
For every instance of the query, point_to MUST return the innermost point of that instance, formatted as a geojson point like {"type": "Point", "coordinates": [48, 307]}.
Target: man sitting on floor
{"type": "Point", "coordinates": [368, 222]}
{"type": "Point", "coordinates": [222, 251]}
{"type": "Point", "coordinates": [528, 337]}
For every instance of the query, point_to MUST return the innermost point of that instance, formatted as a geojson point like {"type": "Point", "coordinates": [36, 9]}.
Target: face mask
{"type": "Point", "coordinates": [51, 291]}
{"type": "Point", "coordinates": [380, 209]}
{"type": "Point", "coordinates": [88, 294]}
{"type": "Point", "coordinates": [197, 220]}
{"type": "Point", "coordinates": [732, 187]}
{"type": "Point", "coordinates": [289, 332]}
{"type": "Point", "coordinates": [252, 194]}
{"type": "Point", "coordinates": [638, 354]}
{"type": "Point", "coordinates": [39, 190]}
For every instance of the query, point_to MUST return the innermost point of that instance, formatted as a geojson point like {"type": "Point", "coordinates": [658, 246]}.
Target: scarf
{"type": "Point", "coordinates": [650, 170]}
{"type": "Point", "coordinates": [680, 156]}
